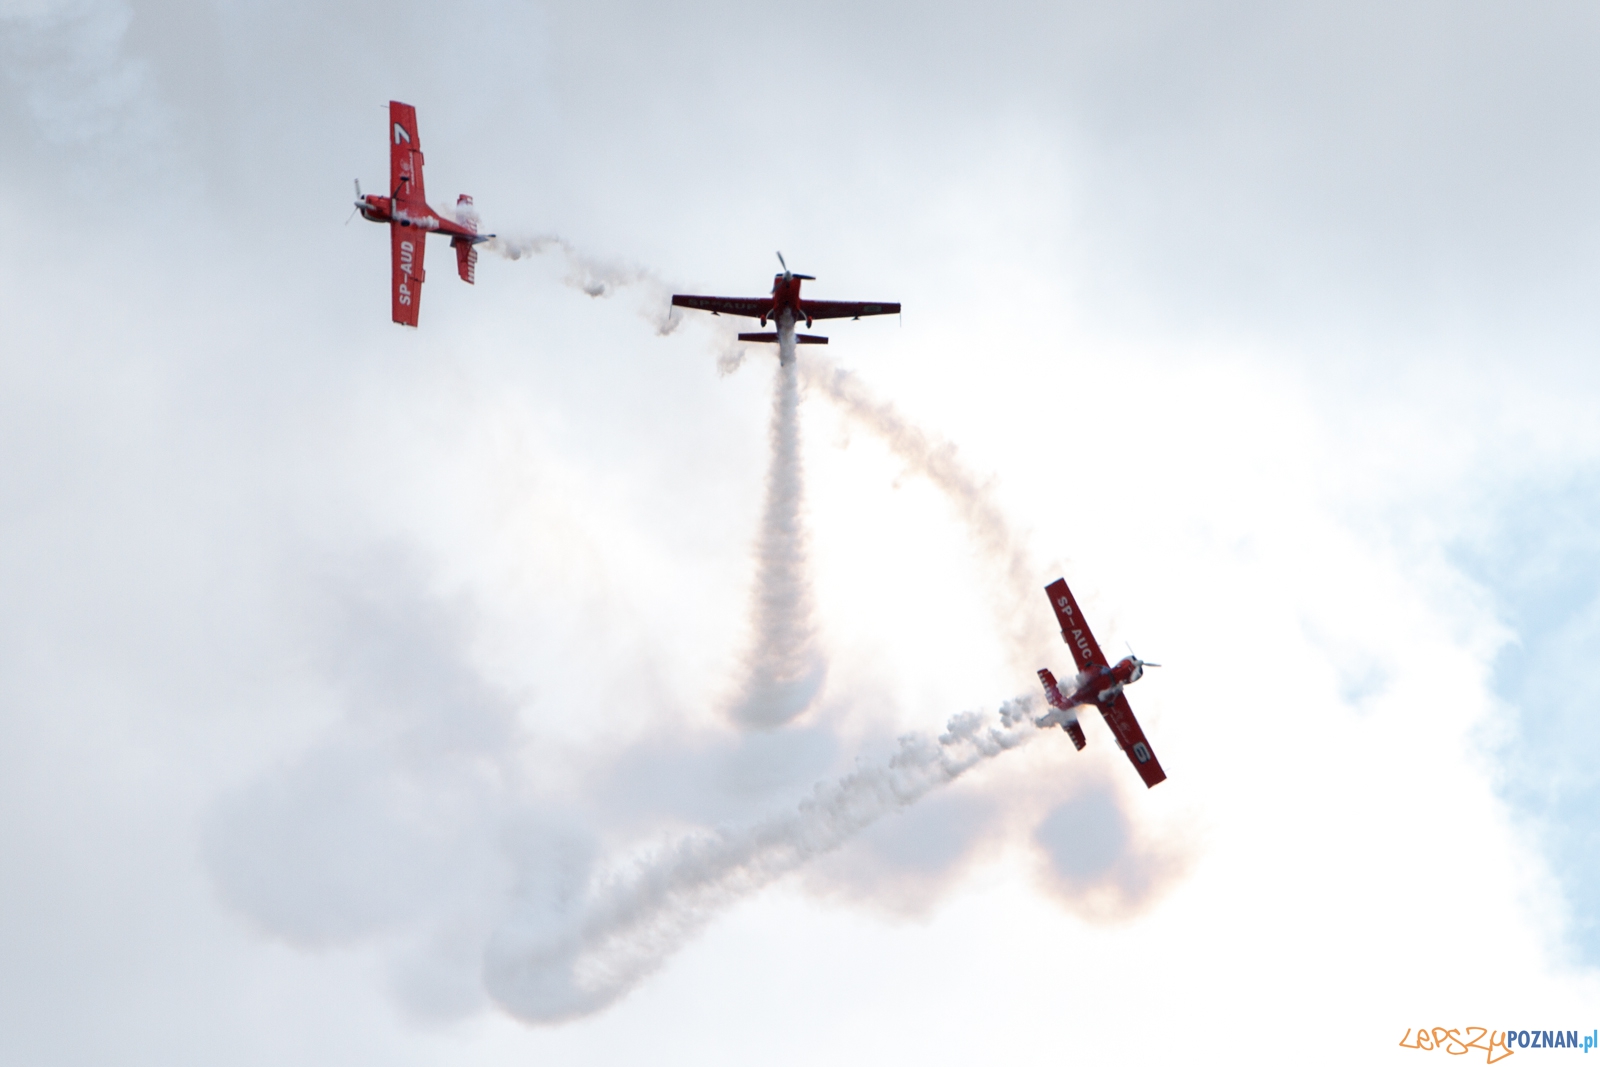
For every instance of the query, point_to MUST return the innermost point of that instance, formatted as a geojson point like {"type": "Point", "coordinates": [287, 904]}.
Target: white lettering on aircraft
{"type": "Point", "coordinates": [400, 134]}
{"type": "Point", "coordinates": [406, 250]}
{"type": "Point", "coordinates": [1065, 606]}
{"type": "Point", "coordinates": [1141, 753]}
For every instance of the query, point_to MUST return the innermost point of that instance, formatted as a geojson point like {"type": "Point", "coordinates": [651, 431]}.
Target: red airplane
{"type": "Point", "coordinates": [785, 308]}
{"type": "Point", "coordinates": [1096, 684]}
{"type": "Point", "coordinates": [410, 218]}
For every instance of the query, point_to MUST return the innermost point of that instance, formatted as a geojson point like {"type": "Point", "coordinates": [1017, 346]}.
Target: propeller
{"type": "Point", "coordinates": [359, 200]}
{"type": "Point", "coordinates": [787, 274]}
{"type": "Point", "coordinates": [1136, 658]}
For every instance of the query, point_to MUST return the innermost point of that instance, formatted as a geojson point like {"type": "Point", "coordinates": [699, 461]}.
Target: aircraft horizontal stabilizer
{"type": "Point", "coordinates": [466, 258]}
{"type": "Point", "coordinates": [772, 338]}
{"type": "Point", "coordinates": [1075, 732]}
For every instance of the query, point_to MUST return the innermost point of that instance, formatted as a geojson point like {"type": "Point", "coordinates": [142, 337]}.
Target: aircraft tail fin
{"type": "Point", "coordinates": [772, 338]}
{"type": "Point", "coordinates": [466, 250]}
{"type": "Point", "coordinates": [1064, 716]}
{"type": "Point", "coordinates": [466, 214]}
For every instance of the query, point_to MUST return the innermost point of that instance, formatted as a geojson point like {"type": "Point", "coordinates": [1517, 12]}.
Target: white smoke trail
{"type": "Point", "coordinates": [1022, 619]}
{"type": "Point", "coordinates": [731, 358]}
{"type": "Point", "coordinates": [597, 277]}
{"type": "Point", "coordinates": [783, 669]}
{"type": "Point", "coordinates": [786, 340]}
{"type": "Point", "coordinates": [557, 959]}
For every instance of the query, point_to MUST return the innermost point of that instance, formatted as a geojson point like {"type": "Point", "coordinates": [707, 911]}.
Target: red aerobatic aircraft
{"type": "Point", "coordinates": [785, 308]}
{"type": "Point", "coordinates": [410, 218]}
{"type": "Point", "coordinates": [1097, 684]}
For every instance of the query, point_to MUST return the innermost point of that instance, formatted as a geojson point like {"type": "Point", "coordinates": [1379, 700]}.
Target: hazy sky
{"type": "Point", "coordinates": [383, 696]}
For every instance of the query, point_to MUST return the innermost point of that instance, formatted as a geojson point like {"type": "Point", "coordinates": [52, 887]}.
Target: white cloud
{"type": "Point", "coordinates": [1245, 320]}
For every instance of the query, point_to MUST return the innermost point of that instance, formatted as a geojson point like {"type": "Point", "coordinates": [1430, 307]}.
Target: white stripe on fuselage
{"type": "Point", "coordinates": [421, 222]}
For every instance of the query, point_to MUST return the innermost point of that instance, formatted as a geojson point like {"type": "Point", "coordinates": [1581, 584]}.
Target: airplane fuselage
{"type": "Point", "coordinates": [383, 209]}
{"type": "Point", "coordinates": [1102, 687]}
{"type": "Point", "coordinates": [1099, 689]}
{"type": "Point", "coordinates": [786, 297]}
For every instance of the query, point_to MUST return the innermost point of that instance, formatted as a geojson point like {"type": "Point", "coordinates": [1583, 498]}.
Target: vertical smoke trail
{"type": "Point", "coordinates": [1023, 623]}
{"type": "Point", "coordinates": [786, 340]}
{"type": "Point", "coordinates": [560, 956]}
{"type": "Point", "coordinates": [783, 669]}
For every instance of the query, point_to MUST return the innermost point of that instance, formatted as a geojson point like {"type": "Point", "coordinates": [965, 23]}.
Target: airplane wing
{"type": "Point", "coordinates": [406, 246]}
{"type": "Point", "coordinates": [1074, 630]}
{"type": "Point", "coordinates": [846, 309]}
{"type": "Point", "coordinates": [726, 305]}
{"type": "Point", "coordinates": [405, 156]}
{"type": "Point", "coordinates": [1131, 738]}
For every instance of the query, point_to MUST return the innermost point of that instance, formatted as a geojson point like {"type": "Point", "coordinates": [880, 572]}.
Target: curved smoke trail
{"type": "Point", "coordinates": [562, 954]}
{"type": "Point", "coordinates": [1024, 625]}
{"type": "Point", "coordinates": [783, 668]}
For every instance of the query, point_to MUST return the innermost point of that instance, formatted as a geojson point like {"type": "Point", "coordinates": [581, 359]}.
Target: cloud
{"type": "Point", "coordinates": [1536, 556]}
{"type": "Point", "coordinates": [907, 864]}
{"type": "Point", "coordinates": [1320, 276]}
{"type": "Point", "coordinates": [80, 87]}
{"type": "Point", "coordinates": [565, 950]}
{"type": "Point", "coordinates": [1016, 592]}
{"type": "Point", "coordinates": [417, 822]}
{"type": "Point", "coordinates": [1094, 860]}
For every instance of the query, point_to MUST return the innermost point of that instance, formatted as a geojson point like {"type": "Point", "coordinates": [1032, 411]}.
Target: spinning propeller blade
{"type": "Point", "coordinates": [788, 274]}
{"type": "Point", "coordinates": [1136, 658]}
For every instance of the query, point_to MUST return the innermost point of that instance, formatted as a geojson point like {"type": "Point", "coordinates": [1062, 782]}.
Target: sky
{"type": "Point", "coordinates": [564, 682]}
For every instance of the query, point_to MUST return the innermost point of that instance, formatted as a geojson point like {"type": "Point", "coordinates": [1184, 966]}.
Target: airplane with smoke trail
{"type": "Point", "coordinates": [410, 218]}
{"type": "Point", "coordinates": [785, 308]}
{"type": "Point", "coordinates": [1097, 683]}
